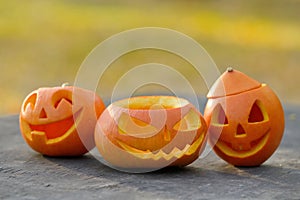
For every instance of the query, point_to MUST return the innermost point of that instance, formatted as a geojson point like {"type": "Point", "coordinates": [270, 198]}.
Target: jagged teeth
{"type": "Point", "coordinates": [177, 153]}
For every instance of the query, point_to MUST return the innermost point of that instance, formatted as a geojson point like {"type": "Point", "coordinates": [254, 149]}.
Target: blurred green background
{"type": "Point", "coordinates": [43, 43]}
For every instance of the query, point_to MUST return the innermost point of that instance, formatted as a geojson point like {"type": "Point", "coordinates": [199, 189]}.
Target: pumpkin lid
{"type": "Point", "coordinates": [232, 82]}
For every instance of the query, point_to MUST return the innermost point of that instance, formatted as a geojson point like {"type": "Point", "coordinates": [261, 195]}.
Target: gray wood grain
{"type": "Point", "coordinates": [25, 174]}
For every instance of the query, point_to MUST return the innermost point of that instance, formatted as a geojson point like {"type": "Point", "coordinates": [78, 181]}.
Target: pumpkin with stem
{"type": "Point", "coordinates": [246, 119]}
{"type": "Point", "coordinates": [60, 121]}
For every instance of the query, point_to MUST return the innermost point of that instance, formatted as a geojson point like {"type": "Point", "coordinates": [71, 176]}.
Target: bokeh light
{"type": "Point", "coordinates": [43, 43]}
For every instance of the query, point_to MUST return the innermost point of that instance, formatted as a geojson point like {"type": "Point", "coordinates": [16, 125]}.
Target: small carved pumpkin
{"type": "Point", "coordinates": [150, 132]}
{"type": "Point", "coordinates": [246, 119]}
{"type": "Point", "coordinates": [60, 121]}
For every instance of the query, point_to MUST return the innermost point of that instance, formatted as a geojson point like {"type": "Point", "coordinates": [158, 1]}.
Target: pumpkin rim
{"type": "Point", "coordinates": [151, 103]}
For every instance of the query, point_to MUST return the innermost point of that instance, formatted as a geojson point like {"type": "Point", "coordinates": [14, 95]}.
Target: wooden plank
{"type": "Point", "coordinates": [25, 174]}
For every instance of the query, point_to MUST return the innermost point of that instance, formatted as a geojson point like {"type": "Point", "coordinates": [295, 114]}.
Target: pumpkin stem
{"type": "Point", "coordinates": [65, 84]}
{"type": "Point", "coordinates": [229, 69]}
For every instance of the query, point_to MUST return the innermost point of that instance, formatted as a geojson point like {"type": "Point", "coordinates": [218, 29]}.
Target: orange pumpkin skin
{"type": "Point", "coordinates": [132, 133]}
{"type": "Point", "coordinates": [246, 119]}
{"type": "Point", "coordinates": [60, 121]}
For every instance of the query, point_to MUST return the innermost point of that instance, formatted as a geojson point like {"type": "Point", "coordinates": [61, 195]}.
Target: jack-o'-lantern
{"type": "Point", "coordinates": [60, 121]}
{"type": "Point", "coordinates": [150, 132]}
{"type": "Point", "coordinates": [245, 118]}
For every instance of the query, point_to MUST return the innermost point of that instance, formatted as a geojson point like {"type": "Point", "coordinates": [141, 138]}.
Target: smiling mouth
{"type": "Point", "coordinates": [189, 149]}
{"type": "Point", "coordinates": [56, 131]}
{"type": "Point", "coordinates": [239, 152]}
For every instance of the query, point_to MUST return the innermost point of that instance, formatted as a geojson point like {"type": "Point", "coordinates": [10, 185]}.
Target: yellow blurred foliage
{"type": "Point", "coordinates": [43, 43]}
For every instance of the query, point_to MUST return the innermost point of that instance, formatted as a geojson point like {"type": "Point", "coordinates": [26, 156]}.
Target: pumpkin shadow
{"type": "Point", "coordinates": [86, 164]}
{"type": "Point", "coordinates": [205, 177]}
{"type": "Point", "coordinates": [90, 166]}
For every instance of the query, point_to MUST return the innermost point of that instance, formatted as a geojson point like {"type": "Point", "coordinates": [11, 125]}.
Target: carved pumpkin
{"type": "Point", "coordinates": [60, 121]}
{"type": "Point", "coordinates": [150, 132]}
{"type": "Point", "coordinates": [246, 119]}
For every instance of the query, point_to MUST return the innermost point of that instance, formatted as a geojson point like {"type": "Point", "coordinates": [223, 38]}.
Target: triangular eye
{"type": "Point", "coordinates": [57, 103]}
{"type": "Point", "coordinates": [133, 126]}
{"type": "Point", "coordinates": [30, 101]}
{"type": "Point", "coordinates": [191, 121]}
{"type": "Point", "coordinates": [62, 97]}
{"type": "Point", "coordinates": [257, 113]}
{"type": "Point", "coordinates": [219, 116]}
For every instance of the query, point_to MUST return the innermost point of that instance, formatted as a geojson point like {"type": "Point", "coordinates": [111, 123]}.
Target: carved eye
{"type": "Point", "coordinates": [132, 126]}
{"type": "Point", "coordinates": [219, 116]}
{"type": "Point", "coordinates": [58, 102]}
{"type": "Point", "coordinates": [191, 121]}
{"type": "Point", "coordinates": [30, 101]}
{"type": "Point", "coordinates": [62, 97]}
{"type": "Point", "coordinates": [258, 113]}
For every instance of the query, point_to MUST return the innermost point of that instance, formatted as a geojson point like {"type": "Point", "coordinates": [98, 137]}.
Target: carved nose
{"type": "Point", "coordinates": [43, 114]}
{"type": "Point", "coordinates": [240, 132]}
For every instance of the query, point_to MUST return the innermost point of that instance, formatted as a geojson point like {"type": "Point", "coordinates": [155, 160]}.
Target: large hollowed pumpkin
{"type": "Point", "coordinates": [246, 119]}
{"type": "Point", "coordinates": [60, 121]}
{"type": "Point", "coordinates": [150, 132]}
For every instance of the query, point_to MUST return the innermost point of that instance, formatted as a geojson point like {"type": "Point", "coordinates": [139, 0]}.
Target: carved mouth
{"type": "Point", "coordinates": [56, 131]}
{"type": "Point", "coordinates": [239, 152]}
{"type": "Point", "coordinates": [189, 149]}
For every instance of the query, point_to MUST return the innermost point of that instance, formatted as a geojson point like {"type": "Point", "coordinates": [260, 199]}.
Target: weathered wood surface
{"type": "Point", "coordinates": [25, 174]}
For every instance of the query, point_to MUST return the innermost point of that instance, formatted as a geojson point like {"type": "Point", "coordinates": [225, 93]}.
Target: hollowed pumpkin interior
{"type": "Point", "coordinates": [130, 125]}
{"type": "Point", "coordinates": [152, 102]}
